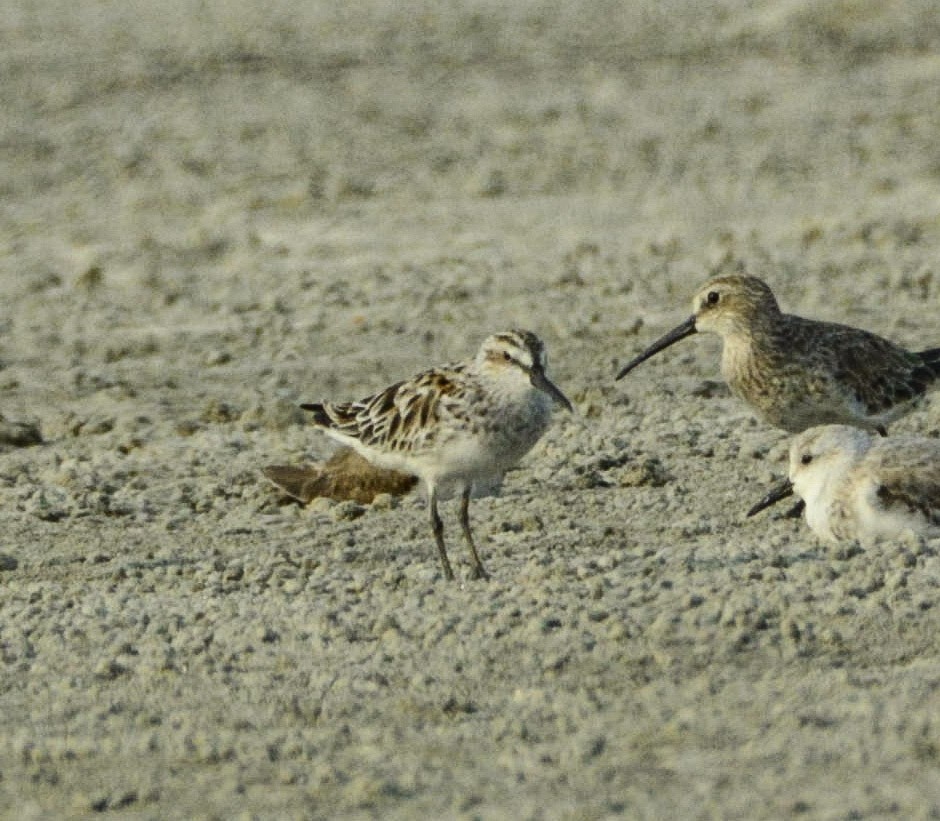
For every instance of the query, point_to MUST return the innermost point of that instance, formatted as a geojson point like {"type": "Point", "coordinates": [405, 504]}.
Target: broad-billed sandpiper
{"type": "Point", "coordinates": [454, 425]}
{"type": "Point", "coordinates": [859, 486]}
{"type": "Point", "coordinates": [797, 373]}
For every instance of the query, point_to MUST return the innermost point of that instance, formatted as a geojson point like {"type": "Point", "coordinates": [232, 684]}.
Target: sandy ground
{"type": "Point", "coordinates": [209, 214]}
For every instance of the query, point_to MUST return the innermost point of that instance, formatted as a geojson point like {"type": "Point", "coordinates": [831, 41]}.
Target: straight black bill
{"type": "Point", "coordinates": [687, 328]}
{"type": "Point", "coordinates": [782, 490]}
{"type": "Point", "coordinates": [543, 383]}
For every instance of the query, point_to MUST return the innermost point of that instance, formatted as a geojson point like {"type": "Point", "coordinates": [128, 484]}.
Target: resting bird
{"type": "Point", "coordinates": [862, 487]}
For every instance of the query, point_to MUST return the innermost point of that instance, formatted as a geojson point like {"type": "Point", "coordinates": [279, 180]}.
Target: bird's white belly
{"type": "Point", "coordinates": [468, 453]}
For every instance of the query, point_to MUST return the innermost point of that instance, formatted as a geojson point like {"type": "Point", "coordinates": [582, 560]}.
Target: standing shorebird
{"type": "Point", "coordinates": [454, 425]}
{"type": "Point", "coordinates": [858, 486]}
{"type": "Point", "coordinates": [795, 372]}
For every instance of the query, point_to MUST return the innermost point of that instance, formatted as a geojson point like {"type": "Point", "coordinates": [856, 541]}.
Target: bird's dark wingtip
{"type": "Point", "coordinates": [320, 416]}
{"type": "Point", "coordinates": [931, 360]}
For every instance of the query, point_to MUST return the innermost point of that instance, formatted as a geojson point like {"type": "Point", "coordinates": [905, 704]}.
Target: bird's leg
{"type": "Point", "coordinates": [477, 571]}
{"type": "Point", "coordinates": [437, 527]}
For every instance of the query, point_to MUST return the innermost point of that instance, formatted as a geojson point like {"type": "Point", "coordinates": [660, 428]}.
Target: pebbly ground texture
{"type": "Point", "coordinates": [210, 213]}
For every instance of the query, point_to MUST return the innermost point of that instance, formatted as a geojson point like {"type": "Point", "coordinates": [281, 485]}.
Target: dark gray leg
{"type": "Point", "coordinates": [477, 571]}
{"type": "Point", "coordinates": [437, 528]}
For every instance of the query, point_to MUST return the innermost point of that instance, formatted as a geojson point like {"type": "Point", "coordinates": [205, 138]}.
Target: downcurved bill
{"type": "Point", "coordinates": [781, 491]}
{"type": "Point", "coordinates": [687, 328]}
{"type": "Point", "coordinates": [544, 384]}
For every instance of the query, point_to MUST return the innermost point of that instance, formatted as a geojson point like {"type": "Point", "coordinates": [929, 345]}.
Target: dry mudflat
{"type": "Point", "coordinates": [211, 212]}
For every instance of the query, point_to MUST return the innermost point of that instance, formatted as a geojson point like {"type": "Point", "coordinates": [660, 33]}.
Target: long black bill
{"type": "Point", "coordinates": [782, 490]}
{"type": "Point", "coordinates": [687, 328]}
{"type": "Point", "coordinates": [543, 383]}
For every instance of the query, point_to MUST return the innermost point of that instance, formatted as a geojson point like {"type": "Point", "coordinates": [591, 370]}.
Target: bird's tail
{"type": "Point", "coordinates": [321, 415]}
{"type": "Point", "coordinates": [341, 417]}
{"type": "Point", "coordinates": [931, 361]}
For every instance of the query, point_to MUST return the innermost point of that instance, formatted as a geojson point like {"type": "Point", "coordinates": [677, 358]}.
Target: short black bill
{"type": "Point", "coordinates": [687, 328]}
{"type": "Point", "coordinates": [782, 491]}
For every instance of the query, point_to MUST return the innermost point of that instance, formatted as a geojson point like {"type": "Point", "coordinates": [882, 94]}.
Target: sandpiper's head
{"type": "Point", "coordinates": [818, 459]}
{"type": "Point", "coordinates": [727, 304]}
{"type": "Point", "coordinates": [723, 305]}
{"type": "Point", "coordinates": [822, 453]}
{"type": "Point", "coordinates": [522, 353]}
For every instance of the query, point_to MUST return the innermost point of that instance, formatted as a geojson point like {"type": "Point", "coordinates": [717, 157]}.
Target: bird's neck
{"type": "Point", "coordinates": [746, 344]}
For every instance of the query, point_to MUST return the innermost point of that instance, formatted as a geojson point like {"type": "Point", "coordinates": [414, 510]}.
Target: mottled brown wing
{"type": "Point", "coordinates": [879, 373]}
{"type": "Point", "coordinates": [912, 478]}
{"type": "Point", "coordinates": [402, 417]}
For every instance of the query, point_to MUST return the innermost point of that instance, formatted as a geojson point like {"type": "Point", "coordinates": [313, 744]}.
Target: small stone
{"type": "Point", "coordinates": [234, 573]}
{"type": "Point", "coordinates": [213, 358]}
{"type": "Point", "coordinates": [347, 511]}
{"type": "Point", "coordinates": [220, 411]}
{"type": "Point", "coordinates": [19, 434]}
{"type": "Point", "coordinates": [109, 669]}
{"type": "Point", "coordinates": [91, 278]}
{"type": "Point", "coordinates": [648, 473]}
{"type": "Point", "coordinates": [321, 504]}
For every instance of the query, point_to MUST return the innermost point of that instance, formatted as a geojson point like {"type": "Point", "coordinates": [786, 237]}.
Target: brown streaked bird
{"type": "Point", "coordinates": [797, 373]}
{"type": "Point", "coordinates": [454, 425]}
{"type": "Point", "coordinates": [861, 487]}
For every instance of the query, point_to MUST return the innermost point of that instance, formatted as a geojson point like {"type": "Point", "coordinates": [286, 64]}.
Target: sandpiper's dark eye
{"type": "Point", "coordinates": [507, 356]}
{"type": "Point", "coordinates": [806, 458]}
{"type": "Point", "coordinates": [713, 297]}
